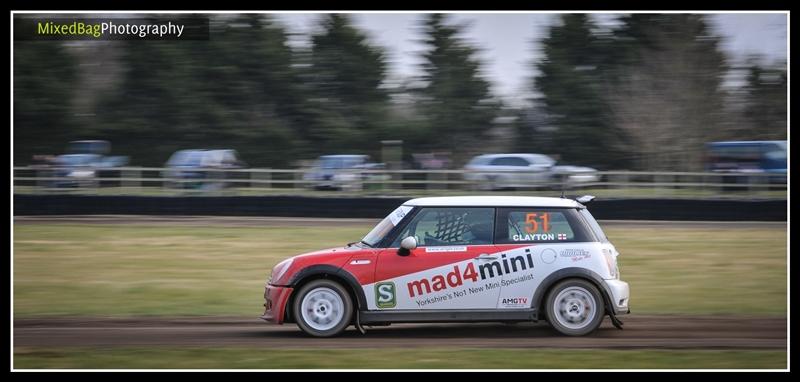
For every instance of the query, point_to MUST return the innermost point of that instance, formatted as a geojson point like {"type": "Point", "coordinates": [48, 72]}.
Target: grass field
{"type": "Point", "coordinates": [234, 358]}
{"type": "Point", "coordinates": [62, 269]}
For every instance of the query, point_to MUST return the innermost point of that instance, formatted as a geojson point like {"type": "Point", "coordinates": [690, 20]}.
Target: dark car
{"type": "Point", "coordinates": [342, 172]}
{"type": "Point", "coordinates": [85, 163]}
{"type": "Point", "coordinates": [201, 168]}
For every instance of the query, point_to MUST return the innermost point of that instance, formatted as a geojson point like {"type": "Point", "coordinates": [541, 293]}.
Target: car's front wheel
{"type": "Point", "coordinates": [323, 308]}
{"type": "Point", "coordinates": [575, 307]}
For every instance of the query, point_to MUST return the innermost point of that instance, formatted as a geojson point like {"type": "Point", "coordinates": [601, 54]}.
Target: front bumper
{"type": "Point", "coordinates": [275, 298]}
{"type": "Point", "coordinates": [619, 293]}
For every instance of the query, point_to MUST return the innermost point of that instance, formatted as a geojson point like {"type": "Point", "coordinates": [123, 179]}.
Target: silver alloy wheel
{"type": "Point", "coordinates": [322, 309]}
{"type": "Point", "coordinates": [574, 307]}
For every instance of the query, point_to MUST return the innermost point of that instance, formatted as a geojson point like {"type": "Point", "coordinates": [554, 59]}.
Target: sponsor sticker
{"type": "Point", "coordinates": [575, 254]}
{"type": "Point", "coordinates": [385, 295]}
{"type": "Point", "coordinates": [515, 302]}
{"type": "Point", "coordinates": [445, 249]}
{"type": "Point", "coordinates": [398, 214]}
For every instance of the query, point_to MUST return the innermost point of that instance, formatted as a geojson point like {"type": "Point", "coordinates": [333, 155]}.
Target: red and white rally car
{"type": "Point", "coordinates": [458, 259]}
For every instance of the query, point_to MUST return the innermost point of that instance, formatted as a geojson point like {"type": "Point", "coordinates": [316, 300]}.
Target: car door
{"type": "Point", "coordinates": [505, 172]}
{"type": "Point", "coordinates": [539, 169]}
{"type": "Point", "coordinates": [449, 269]}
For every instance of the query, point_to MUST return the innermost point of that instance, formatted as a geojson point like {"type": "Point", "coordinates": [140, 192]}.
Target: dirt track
{"type": "Point", "coordinates": [668, 332]}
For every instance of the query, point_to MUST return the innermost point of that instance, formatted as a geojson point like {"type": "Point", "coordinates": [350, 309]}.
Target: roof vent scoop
{"type": "Point", "coordinates": [585, 199]}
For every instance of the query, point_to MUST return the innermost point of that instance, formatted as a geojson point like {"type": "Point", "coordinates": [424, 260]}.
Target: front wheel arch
{"type": "Point", "coordinates": [315, 273]}
{"type": "Point", "coordinates": [328, 295]}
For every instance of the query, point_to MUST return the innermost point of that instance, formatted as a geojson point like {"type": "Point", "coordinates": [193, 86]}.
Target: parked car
{"type": "Point", "coordinates": [501, 171]}
{"type": "Point", "coordinates": [199, 168]}
{"type": "Point", "coordinates": [85, 163]}
{"type": "Point", "coordinates": [98, 147]}
{"type": "Point", "coordinates": [341, 172]}
{"type": "Point", "coordinates": [748, 157]}
{"type": "Point", "coordinates": [458, 259]}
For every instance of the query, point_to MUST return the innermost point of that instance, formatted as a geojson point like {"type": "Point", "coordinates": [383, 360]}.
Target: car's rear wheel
{"type": "Point", "coordinates": [323, 308]}
{"type": "Point", "coordinates": [575, 307]}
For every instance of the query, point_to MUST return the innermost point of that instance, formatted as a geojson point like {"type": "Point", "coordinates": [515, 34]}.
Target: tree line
{"type": "Point", "coordinates": [646, 94]}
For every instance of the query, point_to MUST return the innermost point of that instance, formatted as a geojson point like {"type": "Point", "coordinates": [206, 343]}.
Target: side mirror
{"type": "Point", "coordinates": [407, 245]}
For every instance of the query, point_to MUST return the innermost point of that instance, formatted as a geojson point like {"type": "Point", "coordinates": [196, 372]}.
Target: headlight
{"type": "Point", "coordinates": [611, 262]}
{"type": "Point", "coordinates": [277, 271]}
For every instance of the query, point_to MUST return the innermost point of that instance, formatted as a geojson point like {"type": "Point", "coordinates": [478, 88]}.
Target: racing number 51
{"type": "Point", "coordinates": [531, 225]}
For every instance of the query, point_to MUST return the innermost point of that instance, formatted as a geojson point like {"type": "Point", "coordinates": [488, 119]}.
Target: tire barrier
{"type": "Point", "coordinates": [376, 207]}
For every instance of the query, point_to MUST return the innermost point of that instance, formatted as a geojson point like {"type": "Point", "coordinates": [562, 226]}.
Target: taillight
{"type": "Point", "coordinates": [611, 262]}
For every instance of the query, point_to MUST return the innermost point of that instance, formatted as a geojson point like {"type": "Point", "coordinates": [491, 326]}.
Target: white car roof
{"type": "Point", "coordinates": [493, 201]}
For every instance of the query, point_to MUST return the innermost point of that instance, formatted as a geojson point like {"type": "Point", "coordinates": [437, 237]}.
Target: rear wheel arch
{"type": "Point", "coordinates": [555, 278]}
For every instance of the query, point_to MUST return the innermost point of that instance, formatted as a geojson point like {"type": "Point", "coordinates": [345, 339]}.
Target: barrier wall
{"type": "Point", "coordinates": [375, 207]}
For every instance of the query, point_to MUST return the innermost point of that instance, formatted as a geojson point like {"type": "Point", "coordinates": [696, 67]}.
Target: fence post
{"type": "Point", "coordinates": [130, 178]}
{"type": "Point", "coordinates": [298, 177]}
{"type": "Point", "coordinates": [39, 182]}
{"type": "Point", "coordinates": [623, 180]}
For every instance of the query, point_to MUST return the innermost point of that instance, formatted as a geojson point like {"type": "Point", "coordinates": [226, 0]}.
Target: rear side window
{"type": "Point", "coordinates": [598, 232]}
{"type": "Point", "coordinates": [540, 225]}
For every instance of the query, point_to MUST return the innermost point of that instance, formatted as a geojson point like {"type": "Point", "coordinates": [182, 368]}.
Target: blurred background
{"type": "Point", "coordinates": [639, 104]}
{"type": "Point", "coordinates": [676, 122]}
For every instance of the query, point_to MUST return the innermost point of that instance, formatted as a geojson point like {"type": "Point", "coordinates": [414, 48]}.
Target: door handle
{"type": "Point", "coordinates": [484, 256]}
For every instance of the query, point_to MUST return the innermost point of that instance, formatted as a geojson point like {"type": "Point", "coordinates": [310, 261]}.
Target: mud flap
{"type": "Point", "coordinates": [616, 321]}
{"type": "Point", "coordinates": [358, 322]}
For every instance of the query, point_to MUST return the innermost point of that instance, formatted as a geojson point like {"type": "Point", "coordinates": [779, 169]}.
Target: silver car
{"type": "Point", "coordinates": [502, 171]}
{"type": "Point", "coordinates": [342, 172]}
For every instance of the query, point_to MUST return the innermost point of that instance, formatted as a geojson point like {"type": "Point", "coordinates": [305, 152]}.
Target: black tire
{"type": "Point", "coordinates": [581, 308]}
{"type": "Point", "coordinates": [328, 304]}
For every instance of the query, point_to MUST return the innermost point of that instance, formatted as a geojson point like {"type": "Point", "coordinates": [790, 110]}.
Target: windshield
{"type": "Point", "coordinates": [382, 229]}
{"type": "Point", "coordinates": [479, 161]}
{"type": "Point", "coordinates": [88, 147]}
{"type": "Point", "coordinates": [77, 159]}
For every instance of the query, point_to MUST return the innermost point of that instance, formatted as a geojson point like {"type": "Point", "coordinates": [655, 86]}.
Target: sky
{"type": "Point", "coordinates": [507, 41]}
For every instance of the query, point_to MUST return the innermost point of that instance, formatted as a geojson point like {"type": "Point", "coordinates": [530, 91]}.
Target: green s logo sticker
{"type": "Point", "coordinates": [385, 295]}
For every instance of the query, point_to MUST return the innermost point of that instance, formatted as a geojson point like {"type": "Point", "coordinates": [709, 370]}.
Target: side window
{"type": "Point", "coordinates": [540, 225]}
{"type": "Point", "coordinates": [437, 226]}
{"type": "Point", "coordinates": [519, 162]}
{"type": "Point", "coordinates": [510, 161]}
{"type": "Point", "coordinates": [502, 161]}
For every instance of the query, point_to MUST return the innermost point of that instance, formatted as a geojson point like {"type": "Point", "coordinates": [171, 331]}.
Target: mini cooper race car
{"type": "Point", "coordinates": [458, 259]}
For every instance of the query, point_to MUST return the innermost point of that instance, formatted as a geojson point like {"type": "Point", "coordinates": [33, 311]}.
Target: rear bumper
{"type": "Point", "coordinates": [275, 298]}
{"type": "Point", "coordinates": [619, 295]}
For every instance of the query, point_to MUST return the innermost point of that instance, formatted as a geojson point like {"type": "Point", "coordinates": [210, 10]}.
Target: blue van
{"type": "Point", "coordinates": [748, 157]}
